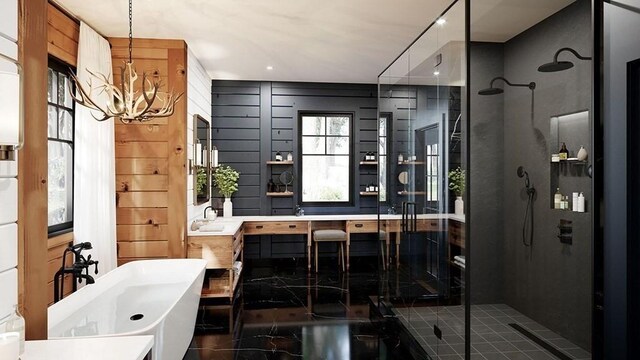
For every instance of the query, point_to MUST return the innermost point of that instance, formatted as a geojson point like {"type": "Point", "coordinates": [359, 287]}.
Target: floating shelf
{"type": "Point", "coordinates": [411, 163]}
{"type": "Point", "coordinates": [572, 162]}
{"type": "Point", "coordinates": [412, 193]}
{"type": "Point", "coordinates": [273, 162]}
{"type": "Point", "coordinates": [368, 193]}
{"type": "Point", "coordinates": [368, 163]}
{"type": "Point", "coordinates": [280, 194]}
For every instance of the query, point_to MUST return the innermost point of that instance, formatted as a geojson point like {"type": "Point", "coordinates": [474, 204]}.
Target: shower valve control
{"type": "Point", "coordinates": [566, 231]}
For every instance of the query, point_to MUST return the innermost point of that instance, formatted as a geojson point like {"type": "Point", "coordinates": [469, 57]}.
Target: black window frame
{"type": "Point", "coordinates": [388, 156]}
{"type": "Point", "coordinates": [351, 116]}
{"type": "Point", "coordinates": [60, 67]}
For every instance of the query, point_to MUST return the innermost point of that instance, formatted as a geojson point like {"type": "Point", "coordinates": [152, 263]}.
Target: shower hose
{"type": "Point", "coordinates": [528, 218]}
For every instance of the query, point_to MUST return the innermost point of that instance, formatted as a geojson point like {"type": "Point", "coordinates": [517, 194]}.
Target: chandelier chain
{"type": "Point", "coordinates": [130, 28]}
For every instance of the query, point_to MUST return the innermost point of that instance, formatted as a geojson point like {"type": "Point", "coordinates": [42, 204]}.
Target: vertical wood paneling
{"type": "Point", "coordinates": [151, 160]}
{"type": "Point", "coordinates": [62, 36]}
{"type": "Point", "coordinates": [32, 170]}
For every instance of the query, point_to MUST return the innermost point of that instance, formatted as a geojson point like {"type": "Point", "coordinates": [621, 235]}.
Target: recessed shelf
{"type": "Point", "coordinates": [368, 193]}
{"type": "Point", "coordinates": [411, 163]}
{"type": "Point", "coordinates": [273, 162]}
{"type": "Point", "coordinates": [368, 163]}
{"type": "Point", "coordinates": [412, 193]}
{"type": "Point", "coordinates": [280, 194]}
{"type": "Point", "coordinates": [572, 162]}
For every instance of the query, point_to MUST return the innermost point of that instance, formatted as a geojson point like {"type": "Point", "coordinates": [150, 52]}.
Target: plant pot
{"type": "Point", "coordinates": [227, 207]}
{"type": "Point", "coordinates": [459, 206]}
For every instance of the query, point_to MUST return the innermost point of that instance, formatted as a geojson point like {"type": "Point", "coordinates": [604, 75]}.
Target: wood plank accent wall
{"type": "Point", "coordinates": [62, 36]}
{"type": "Point", "coordinates": [32, 170]}
{"type": "Point", "coordinates": [151, 160]}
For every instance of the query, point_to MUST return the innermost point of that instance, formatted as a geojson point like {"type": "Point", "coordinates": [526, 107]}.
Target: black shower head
{"type": "Point", "coordinates": [527, 184]}
{"type": "Point", "coordinates": [491, 90]}
{"type": "Point", "coordinates": [521, 171]}
{"type": "Point", "coordinates": [556, 65]}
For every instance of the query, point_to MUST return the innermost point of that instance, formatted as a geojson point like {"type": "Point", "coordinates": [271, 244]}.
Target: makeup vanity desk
{"type": "Point", "coordinates": [222, 248]}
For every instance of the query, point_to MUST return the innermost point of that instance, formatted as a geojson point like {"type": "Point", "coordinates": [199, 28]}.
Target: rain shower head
{"type": "Point", "coordinates": [491, 90]}
{"type": "Point", "coordinates": [556, 65]}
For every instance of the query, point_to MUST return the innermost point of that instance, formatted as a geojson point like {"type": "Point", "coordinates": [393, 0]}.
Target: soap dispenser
{"type": "Point", "coordinates": [557, 200]}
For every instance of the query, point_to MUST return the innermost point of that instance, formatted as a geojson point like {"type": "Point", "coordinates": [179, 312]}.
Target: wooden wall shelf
{"type": "Point", "coordinates": [273, 162]}
{"type": "Point", "coordinates": [280, 194]}
{"type": "Point", "coordinates": [411, 163]}
{"type": "Point", "coordinates": [368, 163]}
{"type": "Point", "coordinates": [368, 193]}
{"type": "Point", "coordinates": [412, 193]}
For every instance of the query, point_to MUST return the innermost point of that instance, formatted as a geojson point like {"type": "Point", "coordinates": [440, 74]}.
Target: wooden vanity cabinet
{"type": "Point", "coordinates": [220, 252]}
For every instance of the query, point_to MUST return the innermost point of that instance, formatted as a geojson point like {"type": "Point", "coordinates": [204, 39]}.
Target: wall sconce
{"type": "Point", "coordinates": [12, 129]}
{"type": "Point", "coordinates": [214, 157]}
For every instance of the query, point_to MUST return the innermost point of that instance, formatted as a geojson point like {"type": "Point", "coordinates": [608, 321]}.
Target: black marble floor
{"type": "Point", "coordinates": [281, 313]}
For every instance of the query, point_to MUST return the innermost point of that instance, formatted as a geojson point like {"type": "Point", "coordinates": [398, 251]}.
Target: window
{"type": "Point", "coordinates": [60, 132]}
{"type": "Point", "coordinates": [326, 158]}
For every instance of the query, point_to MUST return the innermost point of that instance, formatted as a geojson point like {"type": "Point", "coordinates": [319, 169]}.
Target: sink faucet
{"type": "Point", "coordinates": [205, 210]}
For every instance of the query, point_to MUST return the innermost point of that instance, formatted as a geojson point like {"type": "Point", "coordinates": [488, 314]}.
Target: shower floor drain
{"type": "Point", "coordinates": [136, 317]}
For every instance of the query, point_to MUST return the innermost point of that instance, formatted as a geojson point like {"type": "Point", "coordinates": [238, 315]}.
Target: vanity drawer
{"type": "Point", "coordinates": [421, 225]}
{"type": "Point", "coordinates": [364, 226]}
{"type": "Point", "coordinates": [275, 227]}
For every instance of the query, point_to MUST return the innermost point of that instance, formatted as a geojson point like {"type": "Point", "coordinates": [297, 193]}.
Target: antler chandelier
{"type": "Point", "coordinates": [127, 104]}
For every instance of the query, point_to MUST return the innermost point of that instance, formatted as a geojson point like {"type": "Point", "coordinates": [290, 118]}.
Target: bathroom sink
{"type": "Point", "coordinates": [211, 227]}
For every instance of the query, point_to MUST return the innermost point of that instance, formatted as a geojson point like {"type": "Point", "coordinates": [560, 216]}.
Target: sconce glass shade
{"type": "Point", "coordinates": [9, 103]}
{"type": "Point", "coordinates": [214, 157]}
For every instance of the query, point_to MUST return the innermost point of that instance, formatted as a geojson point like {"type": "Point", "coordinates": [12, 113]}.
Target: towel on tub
{"type": "Point", "coordinates": [237, 267]}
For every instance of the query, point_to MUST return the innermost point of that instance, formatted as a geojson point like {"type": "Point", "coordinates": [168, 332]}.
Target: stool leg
{"type": "Point", "coordinates": [384, 258]}
{"type": "Point", "coordinates": [342, 255]}
{"type": "Point", "coordinates": [316, 245]}
{"type": "Point", "coordinates": [339, 254]}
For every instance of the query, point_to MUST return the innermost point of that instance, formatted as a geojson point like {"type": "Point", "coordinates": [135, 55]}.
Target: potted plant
{"type": "Point", "coordinates": [457, 184]}
{"type": "Point", "coordinates": [225, 178]}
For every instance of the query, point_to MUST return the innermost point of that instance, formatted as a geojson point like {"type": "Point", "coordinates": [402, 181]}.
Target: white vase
{"type": "Point", "coordinates": [227, 207]}
{"type": "Point", "coordinates": [459, 206]}
{"type": "Point", "coordinates": [582, 154]}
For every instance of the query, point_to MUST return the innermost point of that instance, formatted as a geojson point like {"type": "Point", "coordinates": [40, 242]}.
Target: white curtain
{"type": "Point", "coordinates": [94, 206]}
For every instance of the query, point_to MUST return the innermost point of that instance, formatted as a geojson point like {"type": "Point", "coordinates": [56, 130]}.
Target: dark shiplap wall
{"type": "Point", "coordinates": [253, 120]}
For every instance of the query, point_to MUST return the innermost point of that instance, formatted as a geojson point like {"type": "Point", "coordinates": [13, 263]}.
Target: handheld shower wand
{"type": "Point", "coordinates": [528, 215]}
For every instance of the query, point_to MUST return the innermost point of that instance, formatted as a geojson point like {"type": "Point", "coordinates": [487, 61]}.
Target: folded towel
{"type": "Point", "coordinates": [459, 258]}
{"type": "Point", "coordinates": [237, 266]}
{"type": "Point", "coordinates": [211, 227]}
{"type": "Point", "coordinates": [462, 265]}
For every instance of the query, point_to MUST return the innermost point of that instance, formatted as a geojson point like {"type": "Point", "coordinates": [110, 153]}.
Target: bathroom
{"type": "Point", "coordinates": [456, 185]}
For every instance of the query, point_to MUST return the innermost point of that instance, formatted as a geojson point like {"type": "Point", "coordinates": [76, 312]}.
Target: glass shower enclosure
{"type": "Point", "coordinates": [421, 175]}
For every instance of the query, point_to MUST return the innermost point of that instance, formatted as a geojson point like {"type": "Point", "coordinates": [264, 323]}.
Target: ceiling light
{"type": "Point", "coordinates": [126, 102]}
{"type": "Point", "coordinates": [269, 67]}
{"type": "Point", "coordinates": [441, 21]}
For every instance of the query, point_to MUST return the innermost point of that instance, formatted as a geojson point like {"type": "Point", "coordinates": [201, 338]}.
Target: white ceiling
{"type": "Point", "coordinates": [349, 41]}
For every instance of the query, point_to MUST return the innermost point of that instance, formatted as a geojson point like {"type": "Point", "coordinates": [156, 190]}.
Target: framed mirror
{"type": "Point", "coordinates": [201, 160]}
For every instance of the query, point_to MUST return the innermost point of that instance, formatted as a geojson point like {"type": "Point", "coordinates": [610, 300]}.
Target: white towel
{"type": "Point", "coordinates": [237, 266]}
{"type": "Point", "coordinates": [211, 228]}
{"type": "Point", "coordinates": [459, 258]}
{"type": "Point", "coordinates": [462, 265]}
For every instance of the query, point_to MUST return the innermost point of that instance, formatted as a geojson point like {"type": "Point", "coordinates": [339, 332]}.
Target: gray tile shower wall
{"type": "Point", "coordinates": [549, 282]}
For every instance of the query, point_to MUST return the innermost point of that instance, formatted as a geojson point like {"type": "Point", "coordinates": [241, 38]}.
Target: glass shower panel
{"type": "Point", "coordinates": [420, 100]}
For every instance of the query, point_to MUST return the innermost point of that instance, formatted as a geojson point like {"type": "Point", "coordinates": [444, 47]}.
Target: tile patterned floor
{"type": "Point", "coordinates": [491, 336]}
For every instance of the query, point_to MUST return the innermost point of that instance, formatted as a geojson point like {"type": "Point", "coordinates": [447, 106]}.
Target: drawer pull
{"type": "Point", "coordinates": [359, 225]}
{"type": "Point", "coordinates": [259, 226]}
{"type": "Point", "coordinates": [434, 223]}
{"type": "Point", "coordinates": [292, 226]}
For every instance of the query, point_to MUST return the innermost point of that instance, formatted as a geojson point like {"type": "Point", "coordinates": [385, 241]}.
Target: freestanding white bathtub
{"type": "Point", "coordinates": [148, 297]}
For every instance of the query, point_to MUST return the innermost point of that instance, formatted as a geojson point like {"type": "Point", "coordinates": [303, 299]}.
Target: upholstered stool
{"type": "Point", "coordinates": [339, 236]}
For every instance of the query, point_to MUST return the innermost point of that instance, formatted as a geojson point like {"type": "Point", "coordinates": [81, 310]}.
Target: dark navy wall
{"type": "Point", "coordinates": [251, 121]}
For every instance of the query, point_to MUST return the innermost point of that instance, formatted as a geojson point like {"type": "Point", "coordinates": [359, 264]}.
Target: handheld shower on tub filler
{"type": "Point", "coordinates": [528, 214]}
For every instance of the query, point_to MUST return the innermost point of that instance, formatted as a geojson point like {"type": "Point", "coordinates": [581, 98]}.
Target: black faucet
{"type": "Point", "coordinates": [205, 210]}
{"type": "Point", "coordinates": [80, 265]}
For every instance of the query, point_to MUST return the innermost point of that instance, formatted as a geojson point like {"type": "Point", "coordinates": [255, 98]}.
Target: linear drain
{"type": "Point", "coordinates": [136, 317]}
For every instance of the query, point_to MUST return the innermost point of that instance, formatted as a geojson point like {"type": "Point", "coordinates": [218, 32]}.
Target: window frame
{"type": "Point", "coordinates": [351, 116]}
{"type": "Point", "coordinates": [59, 66]}
{"type": "Point", "coordinates": [388, 156]}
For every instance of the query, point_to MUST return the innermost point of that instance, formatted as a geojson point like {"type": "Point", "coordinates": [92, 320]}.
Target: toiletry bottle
{"type": "Point", "coordinates": [16, 323]}
{"type": "Point", "coordinates": [289, 157]}
{"type": "Point", "coordinates": [581, 203]}
{"type": "Point", "coordinates": [271, 186]}
{"type": "Point", "coordinates": [582, 154]}
{"type": "Point", "coordinates": [400, 158]}
{"type": "Point", "coordinates": [278, 156]}
{"type": "Point", "coordinates": [574, 202]}
{"type": "Point", "coordinates": [557, 199]}
{"type": "Point", "coordinates": [563, 153]}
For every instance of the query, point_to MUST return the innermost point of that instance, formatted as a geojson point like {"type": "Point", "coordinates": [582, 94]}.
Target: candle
{"type": "Point", "coordinates": [9, 345]}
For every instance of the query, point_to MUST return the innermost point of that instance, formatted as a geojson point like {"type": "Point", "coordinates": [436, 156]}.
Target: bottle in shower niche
{"type": "Point", "coordinates": [563, 153]}
{"type": "Point", "coordinates": [581, 203]}
{"type": "Point", "coordinates": [574, 202]}
{"type": "Point", "coordinates": [16, 324]}
{"type": "Point", "coordinates": [557, 200]}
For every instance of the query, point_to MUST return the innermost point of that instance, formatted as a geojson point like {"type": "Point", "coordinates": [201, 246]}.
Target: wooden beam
{"type": "Point", "coordinates": [32, 170]}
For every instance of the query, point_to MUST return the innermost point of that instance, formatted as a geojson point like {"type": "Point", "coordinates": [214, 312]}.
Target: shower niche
{"type": "Point", "coordinates": [570, 174]}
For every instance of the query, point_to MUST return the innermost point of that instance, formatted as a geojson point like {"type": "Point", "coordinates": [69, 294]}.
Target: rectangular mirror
{"type": "Point", "coordinates": [201, 160]}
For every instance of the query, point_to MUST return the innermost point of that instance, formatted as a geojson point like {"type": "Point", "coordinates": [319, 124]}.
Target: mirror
{"type": "Point", "coordinates": [201, 160]}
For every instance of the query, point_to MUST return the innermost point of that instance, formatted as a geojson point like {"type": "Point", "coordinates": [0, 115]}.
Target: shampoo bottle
{"type": "Point", "coordinates": [557, 200]}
